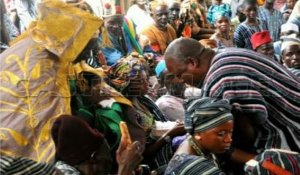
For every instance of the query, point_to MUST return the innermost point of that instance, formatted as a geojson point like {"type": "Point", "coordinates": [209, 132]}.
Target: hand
{"type": "Point", "coordinates": [177, 130]}
{"type": "Point", "coordinates": [128, 158]}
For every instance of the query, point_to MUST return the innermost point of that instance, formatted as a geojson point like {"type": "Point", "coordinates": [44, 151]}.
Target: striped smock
{"type": "Point", "coordinates": [261, 87]}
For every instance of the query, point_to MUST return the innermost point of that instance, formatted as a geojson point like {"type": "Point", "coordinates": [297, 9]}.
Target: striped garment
{"type": "Point", "coordinates": [185, 164]}
{"type": "Point", "coordinates": [275, 20]}
{"type": "Point", "coordinates": [22, 165]}
{"type": "Point", "coordinates": [285, 160]}
{"type": "Point", "coordinates": [295, 71]}
{"type": "Point", "coordinates": [262, 88]}
{"type": "Point", "coordinates": [243, 33]}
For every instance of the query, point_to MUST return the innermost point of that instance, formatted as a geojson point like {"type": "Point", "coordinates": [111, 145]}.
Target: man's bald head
{"type": "Point", "coordinates": [183, 48]}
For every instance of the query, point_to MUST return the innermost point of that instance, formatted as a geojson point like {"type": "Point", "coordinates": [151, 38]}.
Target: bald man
{"type": "Point", "coordinates": [266, 94]}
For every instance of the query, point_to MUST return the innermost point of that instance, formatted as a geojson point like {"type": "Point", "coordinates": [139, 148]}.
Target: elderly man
{"type": "Point", "coordinates": [267, 94]}
{"type": "Point", "coordinates": [286, 29]}
{"type": "Point", "coordinates": [160, 34]}
{"type": "Point", "coordinates": [263, 43]}
{"type": "Point", "coordinates": [290, 48]}
{"type": "Point", "coordinates": [120, 40]}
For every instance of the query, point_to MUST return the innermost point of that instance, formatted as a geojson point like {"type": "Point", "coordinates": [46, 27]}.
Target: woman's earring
{"type": "Point", "coordinates": [198, 137]}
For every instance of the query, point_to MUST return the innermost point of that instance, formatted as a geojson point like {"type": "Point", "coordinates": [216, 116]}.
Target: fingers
{"type": "Point", "coordinates": [122, 145]}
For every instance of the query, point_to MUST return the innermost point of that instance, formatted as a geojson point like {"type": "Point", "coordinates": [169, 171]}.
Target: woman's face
{"type": "Point", "coordinates": [140, 85]}
{"type": "Point", "coordinates": [216, 140]}
{"type": "Point", "coordinates": [250, 11]}
{"type": "Point", "coordinates": [222, 24]}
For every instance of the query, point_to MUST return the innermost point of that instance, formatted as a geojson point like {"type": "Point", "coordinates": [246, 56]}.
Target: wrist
{"type": "Point", "coordinates": [124, 170]}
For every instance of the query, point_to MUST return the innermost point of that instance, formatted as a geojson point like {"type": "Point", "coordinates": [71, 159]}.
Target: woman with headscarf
{"type": "Point", "coordinates": [223, 36]}
{"type": "Point", "coordinates": [129, 76]}
{"type": "Point", "coordinates": [209, 124]}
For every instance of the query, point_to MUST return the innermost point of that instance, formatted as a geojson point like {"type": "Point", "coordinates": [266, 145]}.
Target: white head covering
{"type": "Point", "coordinates": [289, 27]}
{"type": "Point", "coordinates": [289, 41]}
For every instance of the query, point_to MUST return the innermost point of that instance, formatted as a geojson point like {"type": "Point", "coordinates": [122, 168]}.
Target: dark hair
{"type": "Point", "coordinates": [244, 3]}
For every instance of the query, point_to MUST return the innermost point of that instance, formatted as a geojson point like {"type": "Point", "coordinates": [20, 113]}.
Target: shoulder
{"type": "Point", "coordinates": [192, 165]}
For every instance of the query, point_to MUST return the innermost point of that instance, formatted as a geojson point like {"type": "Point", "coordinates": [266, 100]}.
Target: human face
{"type": "Point", "coordinates": [291, 56]}
{"type": "Point", "coordinates": [266, 49]}
{"type": "Point", "coordinates": [216, 140]}
{"type": "Point", "coordinates": [241, 16]}
{"type": "Point", "coordinates": [160, 16]}
{"type": "Point", "coordinates": [174, 9]}
{"type": "Point", "coordinates": [222, 24]}
{"type": "Point", "coordinates": [114, 24]}
{"type": "Point", "coordinates": [250, 11]}
{"type": "Point", "coordinates": [185, 73]}
{"type": "Point", "coordinates": [217, 2]}
{"type": "Point", "coordinates": [290, 4]}
{"type": "Point", "coordinates": [140, 86]}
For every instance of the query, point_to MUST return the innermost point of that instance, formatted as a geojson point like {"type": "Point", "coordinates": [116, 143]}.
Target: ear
{"type": "Point", "coordinates": [194, 62]}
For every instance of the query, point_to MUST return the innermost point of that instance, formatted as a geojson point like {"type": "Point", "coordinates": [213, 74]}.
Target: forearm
{"type": "Point", "coordinates": [125, 170]}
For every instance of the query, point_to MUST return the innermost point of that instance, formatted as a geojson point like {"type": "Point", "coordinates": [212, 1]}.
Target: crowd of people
{"type": "Point", "coordinates": [205, 87]}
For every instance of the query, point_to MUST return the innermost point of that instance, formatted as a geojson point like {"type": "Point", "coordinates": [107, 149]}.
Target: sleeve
{"type": "Point", "coordinates": [238, 37]}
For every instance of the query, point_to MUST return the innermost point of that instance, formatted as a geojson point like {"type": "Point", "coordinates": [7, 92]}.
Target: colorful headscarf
{"type": "Point", "coordinates": [205, 114]}
{"type": "Point", "coordinates": [222, 12]}
{"type": "Point", "coordinates": [126, 69]}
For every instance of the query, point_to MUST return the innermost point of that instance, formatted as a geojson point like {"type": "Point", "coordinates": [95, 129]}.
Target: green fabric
{"type": "Point", "coordinates": [105, 120]}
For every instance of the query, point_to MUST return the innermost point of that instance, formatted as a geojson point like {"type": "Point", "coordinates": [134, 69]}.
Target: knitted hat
{"type": "Point", "coordinates": [260, 38]}
{"type": "Point", "coordinates": [205, 114]}
{"type": "Point", "coordinates": [274, 161]}
{"type": "Point", "coordinates": [74, 139]}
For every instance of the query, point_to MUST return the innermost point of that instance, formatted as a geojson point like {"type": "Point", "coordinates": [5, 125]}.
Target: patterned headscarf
{"type": "Point", "coordinates": [126, 69]}
{"type": "Point", "coordinates": [221, 13]}
{"type": "Point", "coordinates": [205, 114]}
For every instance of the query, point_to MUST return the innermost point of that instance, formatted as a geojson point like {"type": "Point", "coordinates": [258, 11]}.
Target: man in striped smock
{"type": "Point", "coordinates": [267, 94]}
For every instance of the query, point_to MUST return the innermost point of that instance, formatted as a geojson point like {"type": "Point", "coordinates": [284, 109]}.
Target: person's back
{"type": "Point", "coordinates": [34, 79]}
{"type": "Point", "coordinates": [264, 90]}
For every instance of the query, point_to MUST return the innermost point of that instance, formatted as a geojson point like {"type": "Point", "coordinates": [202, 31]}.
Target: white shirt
{"type": "Point", "coordinates": [141, 18]}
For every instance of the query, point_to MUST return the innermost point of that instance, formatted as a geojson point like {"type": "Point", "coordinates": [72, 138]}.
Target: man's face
{"type": "Point", "coordinates": [217, 140]}
{"type": "Point", "coordinates": [290, 4]}
{"type": "Point", "coordinates": [266, 49]}
{"type": "Point", "coordinates": [291, 56]}
{"type": "Point", "coordinates": [174, 9]}
{"type": "Point", "coordinates": [287, 33]}
{"type": "Point", "coordinates": [185, 73]}
{"type": "Point", "coordinates": [250, 11]}
{"type": "Point", "coordinates": [160, 16]}
{"type": "Point", "coordinates": [114, 25]}
{"type": "Point", "coordinates": [222, 24]}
